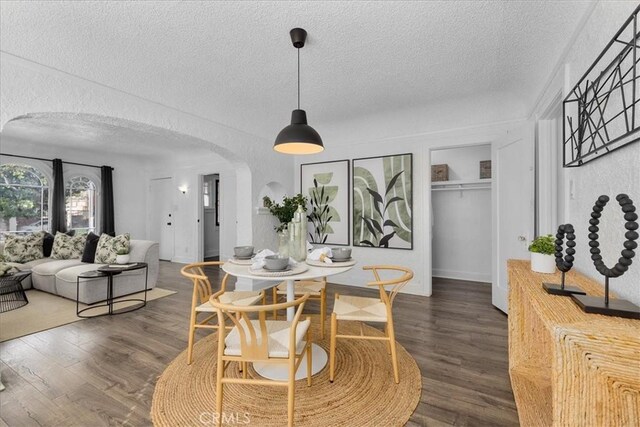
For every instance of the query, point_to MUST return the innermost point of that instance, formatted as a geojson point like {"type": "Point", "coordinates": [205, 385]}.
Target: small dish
{"type": "Point", "coordinates": [334, 259]}
{"type": "Point", "coordinates": [276, 262]}
{"type": "Point", "coordinates": [287, 268]}
{"type": "Point", "coordinates": [243, 251]}
{"type": "Point", "coordinates": [341, 253]}
{"type": "Point", "coordinates": [244, 258]}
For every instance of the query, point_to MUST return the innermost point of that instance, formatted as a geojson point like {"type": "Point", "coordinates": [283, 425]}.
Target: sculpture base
{"type": "Point", "coordinates": [555, 289]}
{"type": "Point", "coordinates": [616, 307]}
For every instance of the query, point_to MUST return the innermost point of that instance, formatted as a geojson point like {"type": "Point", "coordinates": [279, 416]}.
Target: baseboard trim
{"type": "Point", "coordinates": [461, 275]}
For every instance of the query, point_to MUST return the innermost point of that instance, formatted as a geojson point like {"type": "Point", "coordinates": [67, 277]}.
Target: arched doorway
{"type": "Point", "coordinates": [144, 153]}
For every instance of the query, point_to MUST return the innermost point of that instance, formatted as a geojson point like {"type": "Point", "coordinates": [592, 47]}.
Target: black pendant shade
{"type": "Point", "coordinates": [298, 137]}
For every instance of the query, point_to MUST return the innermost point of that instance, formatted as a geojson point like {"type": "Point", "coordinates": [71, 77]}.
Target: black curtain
{"type": "Point", "coordinates": [58, 213]}
{"type": "Point", "coordinates": [107, 222]}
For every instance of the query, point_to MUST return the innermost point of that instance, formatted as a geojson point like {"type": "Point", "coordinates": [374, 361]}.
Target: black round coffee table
{"type": "Point", "coordinates": [109, 271]}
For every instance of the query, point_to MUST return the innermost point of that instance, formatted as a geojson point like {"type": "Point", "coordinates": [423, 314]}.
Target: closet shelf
{"type": "Point", "coordinates": [473, 184]}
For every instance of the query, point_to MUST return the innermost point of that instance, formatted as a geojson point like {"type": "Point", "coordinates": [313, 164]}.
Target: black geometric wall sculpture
{"type": "Point", "coordinates": [611, 307]}
{"type": "Point", "coordinates": [602, 112]}
{"type": "Point", "coordinates": [564, 264]}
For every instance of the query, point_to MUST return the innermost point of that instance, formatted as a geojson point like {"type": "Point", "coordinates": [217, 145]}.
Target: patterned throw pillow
{"type": "Point", "coordinates": [108, 247]}
{"type": "Point", "coordinates": [67, 247]}
{"type": "Point", "coordinates": [23, 248]}
{"type": "Point", "coordinates": [47, 245]}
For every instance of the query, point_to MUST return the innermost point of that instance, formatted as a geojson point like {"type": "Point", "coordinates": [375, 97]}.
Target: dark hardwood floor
{"type": "Point", "coordinates": [103, 371]}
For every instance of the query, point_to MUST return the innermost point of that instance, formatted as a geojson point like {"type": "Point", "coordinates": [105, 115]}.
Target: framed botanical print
{"type": "Point", "coordinates": [383, 202]}
{"type": "Point", "coordinates": [326, 186]}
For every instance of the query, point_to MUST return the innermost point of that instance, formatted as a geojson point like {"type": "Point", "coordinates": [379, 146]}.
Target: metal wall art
{"type": "Point", "coordinates": [602, 112]}
{"type": "Point", "coordinates": [382, 202]}
{"type": "Point", "coordinates": [564, 264]}
{"type": "Point", "coordinates": [611, 307]}
{"type": "Point", "coordinates": [326, 186]}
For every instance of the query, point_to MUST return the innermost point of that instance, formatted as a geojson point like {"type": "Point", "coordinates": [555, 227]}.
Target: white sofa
{"type": "Point", "coordinates": [59, 276]}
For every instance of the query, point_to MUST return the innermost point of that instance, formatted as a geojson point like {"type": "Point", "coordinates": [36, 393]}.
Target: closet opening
{"type": "Point", "coordinates": [461, 213]}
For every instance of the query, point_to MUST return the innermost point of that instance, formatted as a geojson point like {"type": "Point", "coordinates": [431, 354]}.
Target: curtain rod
{"type": "Point", "coordinates": [50, 160]}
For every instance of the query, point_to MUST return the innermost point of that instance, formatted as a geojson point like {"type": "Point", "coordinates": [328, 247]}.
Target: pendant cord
{"type": "Point", "coordinates": [298, 78]}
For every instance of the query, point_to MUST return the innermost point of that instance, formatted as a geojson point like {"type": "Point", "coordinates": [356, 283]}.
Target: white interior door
{"type": "Point", "coordinates": [161, 216]}
{"type": "Point", "coordinates": [513, 206]}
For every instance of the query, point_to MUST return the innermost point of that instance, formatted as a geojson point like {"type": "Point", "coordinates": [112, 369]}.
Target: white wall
{"type": "Point", "coordinates": [187, 207]}
{"type": "Point", "coordinates": [418, 259]}
{"type": "Point", "coordinates": [462, 218]}
{"type": "Point", "coordinates": [129, 177]}
{"type": "Point", "coordinates": [27, 87]}
{"type": "Point", "coordinates": [618, 172]}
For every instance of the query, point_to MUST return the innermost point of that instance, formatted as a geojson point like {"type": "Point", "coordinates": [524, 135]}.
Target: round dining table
{"type": "Point", "coordinates": [319, 355]}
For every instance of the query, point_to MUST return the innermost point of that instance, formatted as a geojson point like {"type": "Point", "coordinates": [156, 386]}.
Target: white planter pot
{"type": "Point", "coordinates": [122, 259]}
{"type": "Point", "coordinates": [541, 263]}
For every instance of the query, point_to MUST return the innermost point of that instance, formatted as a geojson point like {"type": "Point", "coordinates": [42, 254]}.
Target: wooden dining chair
{"type": "Point", "coordinates": [376, 310]}
{"type": "Point", "coordinates": [317, 290]}
{"type": "Point", "coordinates": [202, 292]}
{"type": "Point", "coordinates": [264, 341]}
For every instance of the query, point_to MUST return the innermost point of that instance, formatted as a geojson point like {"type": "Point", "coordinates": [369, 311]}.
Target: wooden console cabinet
{"type": "Point", "coordinates": [569, 368]}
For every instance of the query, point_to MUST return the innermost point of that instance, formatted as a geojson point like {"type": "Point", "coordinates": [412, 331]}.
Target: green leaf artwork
{"type": "Point", "coordinates": [321, 195]}
{"type": "Point", "coordinates": [325, 185]}
{"type": "Point", "coordinates": [382, 202]}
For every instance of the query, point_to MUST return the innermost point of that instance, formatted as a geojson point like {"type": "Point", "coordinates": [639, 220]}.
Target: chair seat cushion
{"type": "Point", "coordinates": [242, 298]}
{"type": "Point", "coordinates": [278, 331]}
{"type": "Point", "coordinates": [360, 308]}
{"type": "Point", "coordinates": [302, 287]}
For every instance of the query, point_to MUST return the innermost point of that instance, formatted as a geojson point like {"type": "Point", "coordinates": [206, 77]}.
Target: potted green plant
{"type": "Point", "coordinates": [122, 256]}
{"type": "Point", "coordinates": [284, 212]}
{"type": "Point", "coordinates": [543, 250]}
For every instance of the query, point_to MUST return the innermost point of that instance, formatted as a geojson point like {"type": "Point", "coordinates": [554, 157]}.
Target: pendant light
{"type": "Point", "coordinates": [298, 137]}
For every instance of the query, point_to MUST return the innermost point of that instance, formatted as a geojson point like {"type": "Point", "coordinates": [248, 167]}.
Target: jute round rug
{"type": "Point", "coordinates": [363, 393]}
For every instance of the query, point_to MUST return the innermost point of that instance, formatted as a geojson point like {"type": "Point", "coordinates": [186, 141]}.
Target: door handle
{"type": "Point", "coordinates": [168, 223]}
{"type": "Point", "coordinates": [522, 238]}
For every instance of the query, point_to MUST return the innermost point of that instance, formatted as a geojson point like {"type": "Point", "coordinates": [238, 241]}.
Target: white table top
{"type": "Point", "coordinates": [312, 273]}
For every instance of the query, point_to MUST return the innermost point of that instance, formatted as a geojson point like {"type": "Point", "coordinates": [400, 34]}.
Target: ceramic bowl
{"type": "Point", "coordinates": [341, 253]}
{"type": "Point", "coordinates": [243, 251]}
{"type": "Point", "coordinates": [276, 262]}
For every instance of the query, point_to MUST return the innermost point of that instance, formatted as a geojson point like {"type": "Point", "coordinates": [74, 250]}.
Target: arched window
{"type": "Point", "coordinates": [80, 199]}
{"type": "Point", "coordinates": [24, 199]}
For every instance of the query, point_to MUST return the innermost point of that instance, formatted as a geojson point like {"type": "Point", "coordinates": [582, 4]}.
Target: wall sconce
{"type": "Point", "coordinates": [183, 189]}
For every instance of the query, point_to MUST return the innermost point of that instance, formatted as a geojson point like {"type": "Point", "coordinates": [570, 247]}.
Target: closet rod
{"type": "Point", "coordinates": [50, 160]}
{"type": "Point", "coordinates": [460, 188]}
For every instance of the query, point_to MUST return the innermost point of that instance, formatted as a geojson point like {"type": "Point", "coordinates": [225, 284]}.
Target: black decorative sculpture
{"type": "Point", "coordinates": [611, 307]}
{"type": "Point", "coordinates": [564, 265]}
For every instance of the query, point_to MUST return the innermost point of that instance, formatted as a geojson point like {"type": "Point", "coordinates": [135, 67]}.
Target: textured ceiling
{"type": "Point", "coordinates": [232, 62]}
{"type": "Point", "coordinates": [97, 134]}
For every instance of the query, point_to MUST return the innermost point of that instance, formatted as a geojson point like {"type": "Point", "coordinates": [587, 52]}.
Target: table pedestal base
{"type": "Point", "coordinates": [280, 371]}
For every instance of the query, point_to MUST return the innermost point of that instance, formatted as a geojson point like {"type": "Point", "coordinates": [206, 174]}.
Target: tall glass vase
{"type": "Point", "coordinates": [297, 236]}
{"type": "Point", "coordinates": [302, 237]}
{"type": "Point", "coordinates": [283, 243]}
